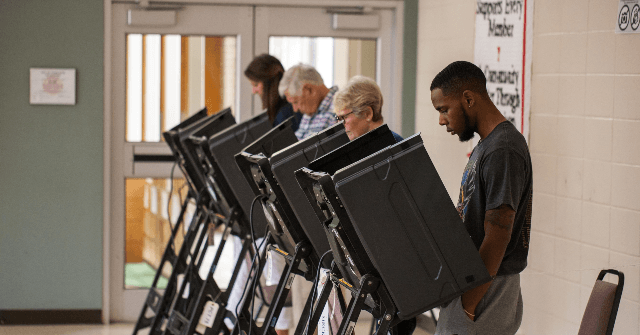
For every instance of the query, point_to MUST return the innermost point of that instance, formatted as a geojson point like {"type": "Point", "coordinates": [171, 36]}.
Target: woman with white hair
{"type": "Point", "coordinates": [359, 106]}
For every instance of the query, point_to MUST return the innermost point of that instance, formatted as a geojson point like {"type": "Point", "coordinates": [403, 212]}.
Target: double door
{"type": "Point", "coordinates": [171, 59]}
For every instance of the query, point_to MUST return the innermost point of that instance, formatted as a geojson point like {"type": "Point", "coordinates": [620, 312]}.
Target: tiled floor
{"type": "Point", "coordinates": [425, 327]}
{"type": "Point", "coordinates": [113, 329]}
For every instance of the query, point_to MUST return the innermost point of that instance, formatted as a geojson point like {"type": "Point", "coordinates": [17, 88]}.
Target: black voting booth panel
{"type": "Point", "coordinates": [161, 308]}
{"type": "Point", "coordinates": [192, 140]}
{"type": "Point", "coordinates": [191, 135]}
{"type": "Point", "coordinates": [185, 311]}
{"type": "Point", "coordinates": [221, 150]}
{"type": "Point", "coordinates": [355, 150]}
{"type": "Point", "coordinates": [409, 227]}
{"type": "Point", "coordinates": [222, 197]}
{"type": "Point", "coordinates": [172, 138]}
{"type": "Point", "coordinates": [248, 162]}
{"type": "Point", "coordinates": [355, 273]}
{"type": "Point", "coordinates": [354, 269]}
{"type": "Point", "coordinates": [285, 162]}
{"type": "Point", "coordinates": [251, 161]}
{"type": "Point", "coordinates": [270, 176]}
{"type": "Point", "coordinates": [366, 262]}
{"type": "Point", "coordinates": [175, 137]}
{"type": "Point", "coordinates": [275, 139]}
{"type": "Point", "coordinates": [348, 252]}
{"type": "Point", "coordinates": [170, 135]}
{"type": "Point", "coordinates": [329, 208]}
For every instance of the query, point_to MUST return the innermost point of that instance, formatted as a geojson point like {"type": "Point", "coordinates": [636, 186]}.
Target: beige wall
{"type": "Point", "coordinates": [585, 146]}
{"type": "Point", "coordinates": [445, 34]}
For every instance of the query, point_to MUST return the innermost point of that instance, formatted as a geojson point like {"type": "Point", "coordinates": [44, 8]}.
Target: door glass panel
{"type": "Point", "coordinates": [153, 207]}
{"type": "Point", "coordinates": [336, 59]}
{"type": "Point", "coordinates": [170, 77]}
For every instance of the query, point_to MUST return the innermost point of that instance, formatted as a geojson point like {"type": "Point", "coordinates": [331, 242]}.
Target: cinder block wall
{"type": "Point", "coordinates": [585, 146]}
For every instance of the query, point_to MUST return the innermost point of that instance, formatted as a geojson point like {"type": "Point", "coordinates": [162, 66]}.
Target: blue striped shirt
{"type": "Point", "coordinates": [321, 120]}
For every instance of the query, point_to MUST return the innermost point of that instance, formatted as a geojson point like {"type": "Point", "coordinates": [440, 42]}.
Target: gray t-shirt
{"type": "Point", "coordinates": [499, 173]}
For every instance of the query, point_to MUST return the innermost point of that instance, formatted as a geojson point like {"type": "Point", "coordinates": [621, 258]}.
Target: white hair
{"type": "Point", "coordinates": [359, 93]}
{"type": "Point", "coordinates": [296, 76]}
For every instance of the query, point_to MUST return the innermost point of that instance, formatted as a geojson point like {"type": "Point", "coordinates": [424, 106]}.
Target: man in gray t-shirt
{"type": "Point", "coordinates": [499, 170]}
{"type": "Point", "coordinates": [494, 203]}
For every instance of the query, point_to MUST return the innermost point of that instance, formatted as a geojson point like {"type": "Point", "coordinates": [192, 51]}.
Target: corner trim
{"type": "Point", "coordinates": [106, 174]}
{"type": "Point", "coordinates": [410, 68]}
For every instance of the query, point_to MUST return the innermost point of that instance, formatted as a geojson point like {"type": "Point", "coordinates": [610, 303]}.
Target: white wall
{"type": "Point", "coordinates": [585, 146]}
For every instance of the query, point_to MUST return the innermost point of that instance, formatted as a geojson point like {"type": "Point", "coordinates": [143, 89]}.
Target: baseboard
{"type": "Point", "coordinates": [50, 316]}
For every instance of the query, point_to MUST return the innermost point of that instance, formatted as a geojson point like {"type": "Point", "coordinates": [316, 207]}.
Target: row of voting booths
{"type": "Point", "coordinates": [371, 212]}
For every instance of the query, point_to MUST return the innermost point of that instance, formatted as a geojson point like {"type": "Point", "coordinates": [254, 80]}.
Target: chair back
{"type": "Point", "coordinates": [602, 308]}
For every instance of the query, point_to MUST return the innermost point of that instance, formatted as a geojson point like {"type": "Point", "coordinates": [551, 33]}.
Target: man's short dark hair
{"type": "Point", "coordinates": [458, 77]}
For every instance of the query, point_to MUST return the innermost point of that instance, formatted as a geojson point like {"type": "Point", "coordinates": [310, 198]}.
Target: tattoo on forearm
{"type": "Point", "coordinates": [501, 217]}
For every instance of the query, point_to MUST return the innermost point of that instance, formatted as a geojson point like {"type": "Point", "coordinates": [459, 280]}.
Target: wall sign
{"type": "Point", "coordinates": [628, 20]}
{"type": "Point", "coordinates": [502, 50]}
{"type": "Point", "coordinates": [52, 86]}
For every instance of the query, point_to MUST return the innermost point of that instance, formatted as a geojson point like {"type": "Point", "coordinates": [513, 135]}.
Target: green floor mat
{"type": "Point", "coordinates": [140, 275]}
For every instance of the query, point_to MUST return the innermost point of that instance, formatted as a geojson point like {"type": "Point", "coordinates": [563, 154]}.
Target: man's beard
{"type": "Point", "coordinates": [468, 132]}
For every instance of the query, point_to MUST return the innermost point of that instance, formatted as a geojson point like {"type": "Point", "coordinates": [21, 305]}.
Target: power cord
{"type": "Point", "coordinates": [253, 236]}
{"type": "Point", "coordinates": [255, 277]}
{"type": "Point", "coordinates": [249, 277]}
{"type": "Point", "coordinates": [315, 289]}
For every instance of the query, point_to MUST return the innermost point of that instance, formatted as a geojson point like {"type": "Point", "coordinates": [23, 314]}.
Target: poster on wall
{"type": "Point", "coordinates": [503, 41]}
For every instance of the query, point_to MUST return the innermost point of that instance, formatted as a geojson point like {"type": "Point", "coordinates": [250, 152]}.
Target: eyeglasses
{"type": "Point", "coordinates": [343, 117]}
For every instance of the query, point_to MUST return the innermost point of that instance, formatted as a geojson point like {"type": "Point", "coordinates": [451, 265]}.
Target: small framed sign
{"type": "Point", "coordinates": [52, 86]}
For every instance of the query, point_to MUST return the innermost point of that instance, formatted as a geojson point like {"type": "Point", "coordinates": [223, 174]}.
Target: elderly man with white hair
{"type": "Point", "coordinates": [304, 88]}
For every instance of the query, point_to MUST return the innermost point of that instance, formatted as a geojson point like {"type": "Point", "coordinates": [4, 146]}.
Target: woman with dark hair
{"type": "Point", "coordinates": [265, 72]}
